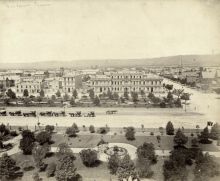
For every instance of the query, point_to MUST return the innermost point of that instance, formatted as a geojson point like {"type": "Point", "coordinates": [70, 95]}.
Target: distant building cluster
{"type": "Point", "coordinates": [204, 78]}
{"type": "Point", "coordinates": [67, 80]}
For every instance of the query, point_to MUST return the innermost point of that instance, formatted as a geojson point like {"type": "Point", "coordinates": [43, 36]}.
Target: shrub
{"type": "Point", "coordinates": [92, 129]}
{"type": "Point", "coordinates": [147, 151]}
{"type": "Point", "coordinates": [71, 132]}
{"type": "Point", "coordinates": [180, 139]}
{"type": "Point", "coordinates": [27, 142]}
{"type": "Point", "coordinates": [13, 133]}
{"type": "Point", "coordinates": [151, 133]}
{"type": "Point", "coordinates": [102, 130]}
{"type": "Point", "coordinates": [89, 157]}
{"type": "Point", "coordinates": [204, 137]}
{"type": "Point", "coordinates": [113, 163]}
{"type": "Point", "coordinates": [192, 134]}
{"type": "Point", "coordinates": [51, 169]}
{"type": "Point", "coordinates": [130, 133]}
{"type": "Point", "coordinates": [49, 128]}
{"type": "Point", "coordinates": [170, 128]}
{"type": "Point", "coordinates": [43, 137]}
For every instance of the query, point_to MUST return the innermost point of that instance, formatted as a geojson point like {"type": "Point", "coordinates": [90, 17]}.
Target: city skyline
{"type": "Point", "coordinates": [65, 31]}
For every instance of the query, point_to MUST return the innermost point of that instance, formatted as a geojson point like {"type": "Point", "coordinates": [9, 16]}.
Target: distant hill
{"type": "Point", "coordinates": [187, 60]}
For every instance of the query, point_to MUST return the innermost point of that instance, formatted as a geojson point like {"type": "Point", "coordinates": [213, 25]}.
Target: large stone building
{"type": "Point", "coordinates": [130, 81]}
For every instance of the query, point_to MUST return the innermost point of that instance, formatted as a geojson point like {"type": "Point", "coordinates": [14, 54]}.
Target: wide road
{"type": "Point", "coordinates": [201, 102]}
{"type": "Point", "coordinates": [150, 118]}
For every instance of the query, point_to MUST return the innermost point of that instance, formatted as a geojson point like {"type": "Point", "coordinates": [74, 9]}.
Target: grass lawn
{"type": "Point", "coordinates": [91, 140]}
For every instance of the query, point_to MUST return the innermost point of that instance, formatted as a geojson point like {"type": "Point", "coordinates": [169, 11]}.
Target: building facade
{"type": "Point", "coordinates": [126, 81]}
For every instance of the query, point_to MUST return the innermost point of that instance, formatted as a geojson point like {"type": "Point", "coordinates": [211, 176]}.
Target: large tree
{"type": "Point", "coordinates": [96, 101]}
{"type": "Point", "coordinates": [204, 137]}
{"type": "Point", "coordinates": [215, 132]}
{"type": "Point", "coordinates": [126, 169]}
{"type": "Point", "coordinates": [205, 167]}
{"type": "Point", "coordinates": [185, 97]}
{"type": "Point", "coordinates": [43, 137]}
{"type": "Point", "coordinates": [91, 94]}
{"type": "Point", "coordinates": [180, 139]}
{"type": "Point", "coordinates": [25, 93]}
{"type": "Point", "coordinates": [27, 142]}
{"type": "Point", "coordinates": [147, 151]}
{"type": "Point", "coordinates": [65, 169]}
{"type": "Point", "coordinates": [113, 163]}
{"type": "Point", "coordinates": [75, 94]}
{"type": "Point", "coordinates": [130, 133]}
{"type": "Point", "coordinates": [11, 94]}
{"type": "Point", "coordinates": [8, 168]}
{"type": "Point", "coordinates": [39, 153]}
{"type": "Point", "coordinates": [143, 167]}
{"type": "Point", "coordinates": [170, 128]}
{"type": "Point", "coordinates": [89, 157]}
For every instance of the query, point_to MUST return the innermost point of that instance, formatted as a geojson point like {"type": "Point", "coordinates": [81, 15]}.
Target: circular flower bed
{"type": "Point", "coordinates": [115, 149]}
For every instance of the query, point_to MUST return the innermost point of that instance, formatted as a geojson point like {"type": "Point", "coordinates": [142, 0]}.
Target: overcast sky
{"type": "Point", "coordinates": [107, 29]}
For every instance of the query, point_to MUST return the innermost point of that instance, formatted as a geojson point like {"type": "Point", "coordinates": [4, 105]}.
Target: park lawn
{"type": "Point", "coordinates": [91, 141]}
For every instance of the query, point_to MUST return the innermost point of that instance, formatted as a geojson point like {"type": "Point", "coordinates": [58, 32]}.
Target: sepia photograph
{"type": "Point", "coordinates": [109, 90]}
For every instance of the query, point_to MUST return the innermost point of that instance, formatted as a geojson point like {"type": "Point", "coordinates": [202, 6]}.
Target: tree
{"type": "Point", "coordinates": [4, 130]}
{"type": "Point", "coordinates": [169, 96]}
{"type": "Point", "coordinates": [49, 128]}
{"type": "Point", "coordinates": [180, 139]}
{"type": "Point", "coordinates": [126, 96]}
{"type": "Point", "coordinates": [8, 168]}
{"type": "Point", "coordinates": [75, 127]}
{"type": "Point", "coordinates": [72, 102]}
{"type": "Point", "coordinates": [71, 132]}
{"type": "Point", "coordinates": [172, 172]}
{"type": "Point", "coordinates": [142, 93]}
{"type": "Point", "coordinates": [27, 142]}
{"type": "Point", "coordinates": [91, 94]}
{"type": "Point", "coordinates": [92, 129]}
{"type": "Point", "coordinates": [51, 168]}
{"type": "Point", "coordinates": [58, 94]}
{"type": "Point", "coordinates": [126, 169]}
{"type": "Point", "coordinates": [11, 94]}
{"type": "Point", "coordinates": [185, 97]}
{"type": "Point", "coordinates": [109, 94]}
{"type": "Point", "coordinates": [194, 142]}
{"type": "Point", "coordinates": [143, 167]}
{"type": "Point", "coordinates": [42, 93]}
{"type": "Point", "coordinates": [113, 163]}
{"type": "Point", "coordinates": [115, 96]}
{"type": "Point", "coordinates": [96, 101]}
{"type": "Point", "coordinates": [169, 87]}
{"type": "Point", "coordinates": [205, 167]}
{"type": "Point", "coordinates": [53, 97]}
{"type": "Point", "coordinates": [25, 93]}
{"type": "Point", "coordinates": [75, 94]}
{"type": "Point", "coordinates": [66, 97]}
{"type": "Point", "coordinates": [43, 137]}
{"type": "Point", "coordinates": [130, 133]}
{"type": "Point", "coordinates": [178, 92]}
{"type": "Point", "coordinates": [89, 157]}
{"type": "Point", "coordinates": [134, 96]}
{"type": "Point", "coordinates": [170, 128]}
{"type": "Point", "coordinates": [215, 132]}
{"type": "Point", "coordinates": [66, 170]}
{"type": "Point", "coordinates": [204, 137]}
{"type": "Point", "coordinates": [63, 149]}
{"type": "Point", "coordinates": [39, 153]}
{"type": "Point", "coordinates": [147, 152]}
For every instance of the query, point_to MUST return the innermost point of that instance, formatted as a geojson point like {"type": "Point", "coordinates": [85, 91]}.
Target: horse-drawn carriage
{"type": "Point", "coordinates": [57, 114]}
{"type": "Point", "coordinates": [76, 114]}
{"type": "Point", "coordinates": [47, 113]}
{"type": "Point", "coordinates": [111, 112]}
{"type": "Point", "coordinates": [90, 114]}
{"type": "Point", "coordinates": [30, 114]}
{"type": "Point", "coordinates": [15, 113]}
{"type": "Point", "coordinates": [3, 112]}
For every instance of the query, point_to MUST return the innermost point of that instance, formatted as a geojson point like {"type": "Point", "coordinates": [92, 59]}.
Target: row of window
{"type": "Point", "coordinates": [127, 83]}
{"type": "Point", "coordinates": [29, 86]}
